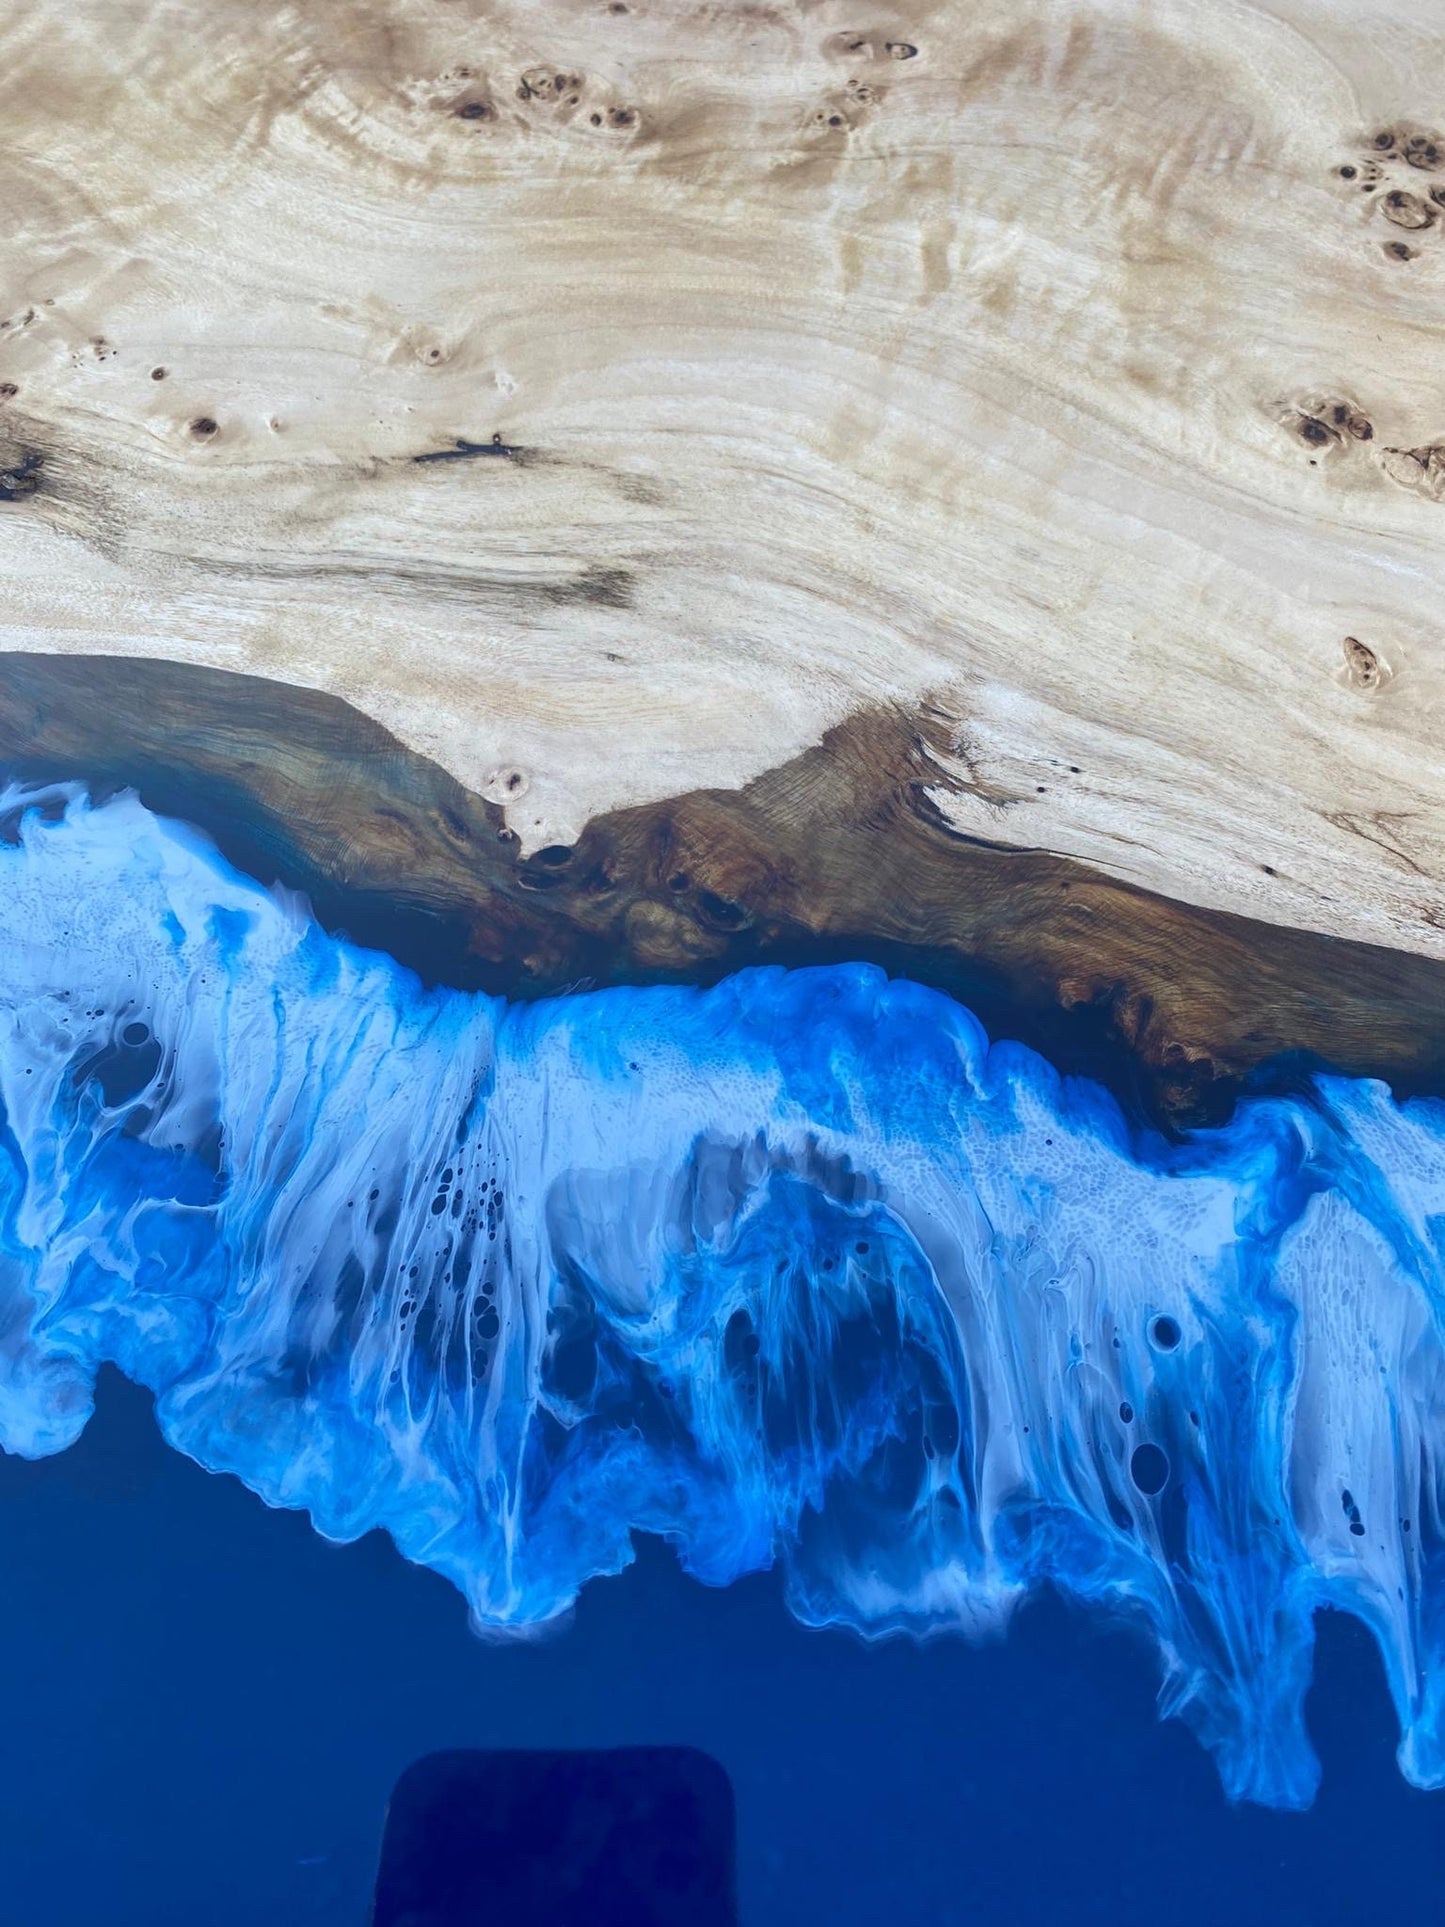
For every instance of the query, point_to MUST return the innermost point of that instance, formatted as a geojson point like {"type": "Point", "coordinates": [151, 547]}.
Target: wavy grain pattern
{"type": "Point", "coordinates": [610, 400]}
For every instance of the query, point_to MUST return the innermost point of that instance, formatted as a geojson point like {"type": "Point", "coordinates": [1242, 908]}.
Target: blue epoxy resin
{"type": "Point", "coordinates": [795, 1270]}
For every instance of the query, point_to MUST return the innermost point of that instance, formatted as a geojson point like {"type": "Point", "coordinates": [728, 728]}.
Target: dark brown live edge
{"type": "Point", "coordinates": [837, 854]}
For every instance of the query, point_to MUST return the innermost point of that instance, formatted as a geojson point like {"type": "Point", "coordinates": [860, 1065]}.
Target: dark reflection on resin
{"type": "Point", "coordinates": [229, 1728]}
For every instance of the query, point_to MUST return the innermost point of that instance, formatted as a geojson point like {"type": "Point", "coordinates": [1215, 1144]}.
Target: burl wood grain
{"type": "Point", "coordinates": [611, 398]}
{"type": "Point", "coordinates": [842, 853]}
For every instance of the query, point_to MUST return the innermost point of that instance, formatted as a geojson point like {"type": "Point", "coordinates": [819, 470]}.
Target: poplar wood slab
{"type": "Point", "coordinates": [611, 399]}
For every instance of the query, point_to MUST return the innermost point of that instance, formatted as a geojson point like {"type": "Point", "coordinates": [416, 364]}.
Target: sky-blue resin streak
{"type": "Point", "coordinates": [798, 1269]}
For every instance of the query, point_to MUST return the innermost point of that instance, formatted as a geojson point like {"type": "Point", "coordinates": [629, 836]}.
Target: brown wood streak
{"type": "Point", "coordinates": [841, 852]}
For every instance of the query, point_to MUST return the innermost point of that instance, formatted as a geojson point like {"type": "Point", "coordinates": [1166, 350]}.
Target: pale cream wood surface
{"type": "Point", "coordinates": [1051, 364]}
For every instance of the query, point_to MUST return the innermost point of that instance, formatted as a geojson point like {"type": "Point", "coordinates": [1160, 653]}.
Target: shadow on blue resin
{"type": "Point", "coordinates": [795, 1271]}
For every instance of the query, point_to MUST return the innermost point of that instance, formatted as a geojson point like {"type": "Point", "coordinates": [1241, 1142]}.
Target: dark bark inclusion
{"type": "Point", "coordinates": [838, 854]}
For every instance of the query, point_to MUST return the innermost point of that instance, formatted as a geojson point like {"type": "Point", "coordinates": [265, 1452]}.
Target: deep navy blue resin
{"type": "Point", "coordinates": [795, 1272]}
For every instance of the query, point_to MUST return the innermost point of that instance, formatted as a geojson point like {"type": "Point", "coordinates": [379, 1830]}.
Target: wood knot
{"type": "Point", "coordinates": [551, 85]}
{"type": "Point", "coordinates": [21, 479]}
{"type": "Point", "coordinates": [1364, 669]}
{"type": "Point", "coordinates": [1329, 422]}
{"type": "Point", "coordinates": [1407, 210]}
{"type": "Point", "coordinates": [506, 785]}
{"type": "Point", "coordinates": [1421, 469]}
{"type": "Point", "coordinates": [662, 937]}
{"type": "Point", "coordinates": [720, 913]}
